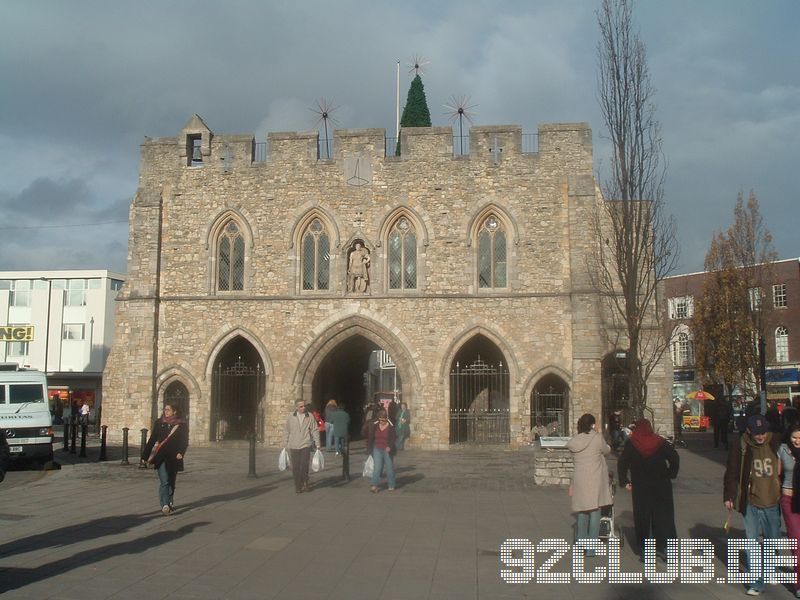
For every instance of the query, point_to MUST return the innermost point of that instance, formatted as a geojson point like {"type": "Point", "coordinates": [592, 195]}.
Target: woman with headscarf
{"type": "Point", "coordinates": [646, 467]}
{"type": "Point", "coordinates": [165, 450]}
{"type": "Point", "coordinates": [789, 454]}
{"type": "Point", "coordinates": [590, 490]}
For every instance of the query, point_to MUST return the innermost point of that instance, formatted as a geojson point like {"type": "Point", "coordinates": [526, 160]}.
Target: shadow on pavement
{"type": "Point", "coordinates": [14, 578]}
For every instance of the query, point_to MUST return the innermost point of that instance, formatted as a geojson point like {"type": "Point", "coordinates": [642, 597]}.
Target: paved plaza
{"type": "Point", "coordinates": [93, 530]}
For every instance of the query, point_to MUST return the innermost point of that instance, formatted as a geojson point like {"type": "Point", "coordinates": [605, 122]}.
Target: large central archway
{"type": "Point", "coordinates": [356, 361]}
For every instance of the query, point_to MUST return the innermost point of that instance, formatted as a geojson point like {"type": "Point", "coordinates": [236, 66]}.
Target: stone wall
{"type": "Point", "coordinates": [553, 467]}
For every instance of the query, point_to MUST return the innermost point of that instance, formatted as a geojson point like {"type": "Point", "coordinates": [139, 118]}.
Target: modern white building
{"type": "Point", "coordinates": [62, 323]}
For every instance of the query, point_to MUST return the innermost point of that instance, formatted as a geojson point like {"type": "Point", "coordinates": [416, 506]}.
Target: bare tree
{"type": "Point", "coordinates": [636, 246]}
{"type": "Point", "coordinates": [730, 315]}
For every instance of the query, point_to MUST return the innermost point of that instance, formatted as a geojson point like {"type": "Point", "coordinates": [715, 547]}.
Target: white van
{"type": "Point", "coordinates": [25, 414]}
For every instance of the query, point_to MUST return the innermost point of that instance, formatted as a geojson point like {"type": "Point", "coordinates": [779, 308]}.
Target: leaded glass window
{"type": "Point", "coordinates": [230, 259]}
{"type": "Point", "coordinates": [781, 345]}
{"type": "Point", "coordinates": [402, 256]}
{"type": "Point", "coordinates": [492, 254]}
{"type": "Point", "coordinates": [316, 258]}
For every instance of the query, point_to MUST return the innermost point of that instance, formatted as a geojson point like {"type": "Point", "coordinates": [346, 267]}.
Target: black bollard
{"type": "Point", "coordinates": [73, 437]}
{"type": "Point", "coordinates": [103, 433]}
{"type": "Point", "coordinates": [66, 438]}
{"type": "Point", "coordinates": [125, 446]}
{"type": "Point", "coordinates": [346, 459]}
{"type": "Point", "coordinates": [252, 437]}
{"type": "Point", "coordinates": [83, 441]}
{"type": "Point", "coordinates": [142, 444]}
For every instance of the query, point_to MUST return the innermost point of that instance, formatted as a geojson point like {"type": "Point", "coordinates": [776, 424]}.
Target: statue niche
{"type": "Point", "coordinates": [358, 265]}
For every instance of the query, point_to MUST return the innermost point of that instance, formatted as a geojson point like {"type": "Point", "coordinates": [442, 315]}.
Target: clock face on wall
{"type": "Point", "coordinates": [357, 170]}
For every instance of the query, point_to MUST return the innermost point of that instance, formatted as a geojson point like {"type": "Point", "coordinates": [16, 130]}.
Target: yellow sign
{"type": "Point", "coordinates": [16, 333]}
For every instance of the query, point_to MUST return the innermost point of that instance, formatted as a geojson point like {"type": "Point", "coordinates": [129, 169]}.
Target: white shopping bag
{"type": "Point", "coordinates": [283, 460]}
{"type": "Point", "coordinates": [369, 466]}
{"type": "Point", "coordinates": [318, 461]}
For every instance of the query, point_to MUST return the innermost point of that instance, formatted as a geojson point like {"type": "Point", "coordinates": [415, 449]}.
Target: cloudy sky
{"type": "Point", "coordinates": [84, 81]}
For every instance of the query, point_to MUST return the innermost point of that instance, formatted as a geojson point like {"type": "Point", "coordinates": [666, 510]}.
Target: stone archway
{"type": "Point", "coordinates": [354, 362]}
{"type": "Point", "coordinates": [238, 391]}
{"type": "Point", "coordinates": [550, 407]}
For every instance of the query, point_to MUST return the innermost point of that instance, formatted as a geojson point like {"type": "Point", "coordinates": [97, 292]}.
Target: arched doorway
{"type": "Point", "coordinates": [550, 407]}
{"type": "Point", "coordinates": [356, 372]}
{"type": "Point", "coordinates": [177, 396]}
{"type": "Point", "coordinates": [615, 389]}
{"type": "Point", "coordinates": [479, 394]}
{"type": "Point", "coordinates": [239, 387]}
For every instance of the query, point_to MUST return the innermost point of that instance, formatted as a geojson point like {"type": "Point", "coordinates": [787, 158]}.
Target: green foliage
{"type": "Point", "coordinates": [415, 113]}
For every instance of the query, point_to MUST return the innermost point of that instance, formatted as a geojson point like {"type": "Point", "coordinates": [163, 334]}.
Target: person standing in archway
{"type": "Point", "coordinates": [330, 408]}
{"type": "Point", "coordinates": [301, 432]}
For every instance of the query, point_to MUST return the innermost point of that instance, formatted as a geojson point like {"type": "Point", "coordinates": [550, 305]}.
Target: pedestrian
{"type": "Point", "coordinates": [4, 454]}
{"type": "Point", "coordinates": [370, 415]}
{"type": "Point", "coordinates": [84, 416]}
{"type": "Point", "coordinates": [789, 455]}
{"type": "Point", "coordinates": [403, 426]}
{"type": "Point", "coordinates": [301, 433]}
{"type": "Point", "coordinates": [722, 421]}
{"type": "Point", "coordinates": [165, 450]}
{"type": "Point", "coordinates": [381, 446]}
{"type": "Point", "coordinates": [340, 426]}
{"type": "Point", "coordinates": [330, 408]}
{"type": "Point", "coordinates": [615, 433]}
{"type": "Point", "coordinates": [590, 489]}
{"type": "Point", "coordinates": [646, 468]}
{"type": "Point", "coordinates": [677, 422]}
{"type": "Point", "coordinates": [752, 486]}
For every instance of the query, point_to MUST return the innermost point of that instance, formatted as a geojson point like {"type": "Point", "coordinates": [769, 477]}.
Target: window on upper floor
{"type": "Point", "coordinates": [781, 345]}
{"type": "Point", "coordinates": [402, 255]}
{"type": "Point", "coordinates": [492, 253]}
{"type": "Point", "coordinates": [315, 261]}
{"type": "Point", "coordinates": [73, 331]}
{"type": "Point", "coordinates": [755, 298]}
{"type": "Point", "coordinates": [76, 293]}
{"type": "Point", "coordinates": [683, 349]}
{"type": "Point", "coordinates": [20, 349]}
{"type": "Point", "coordinates": [194, 148]}
{"type": "Point", "coordinates": [681, 307]}
{"type": "Point", "coordinates": [20, 292]}
{"type": "Point", "coordinates": [779, 295]}
{"type": "Point", "coordinates": [116, 285]}
{"type": "Point", "coordinates": [230, 258]}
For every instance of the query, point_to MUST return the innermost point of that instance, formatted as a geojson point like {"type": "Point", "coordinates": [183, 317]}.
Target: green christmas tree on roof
{"type": "Point", "coordinates": [415, 113]}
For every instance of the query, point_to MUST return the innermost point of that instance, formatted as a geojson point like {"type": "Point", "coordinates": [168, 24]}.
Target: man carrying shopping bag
{"type": "Point", "coordinates": [301, 432]}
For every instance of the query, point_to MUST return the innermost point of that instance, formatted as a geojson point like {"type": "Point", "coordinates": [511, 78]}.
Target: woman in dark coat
{"type": "Point", "coordinates": [647, 466]}
{"type": "Point", "coordinates": [171, 434]}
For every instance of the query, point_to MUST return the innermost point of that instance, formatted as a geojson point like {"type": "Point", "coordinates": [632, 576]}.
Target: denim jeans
{"type": "Point", "coordinates": [587, 525]}
{"type": "Point", "coordinates": [328, 436]}
{"type": "Point", "coordinates": [165, 488]}
{"type": "Point", "coordinates": [340, 444]}
{"type": "Point", "coordinates": [761, 520]}
{"type": "Point", "coordinates": [382, 459]}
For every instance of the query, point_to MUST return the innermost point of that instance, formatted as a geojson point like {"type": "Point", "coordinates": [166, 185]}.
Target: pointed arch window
{"type": "Point", "coordinates": [402, 251]}
{"type": "Point", "coordinates": [683, 349]}
{"type": "Point", "coordinates": [492, 254]}
{"type": "Point", "coordinates": [316, 259]}
{"type": "Point", "coordinates": [230, 259]}
{"type": "Point", "coordinates": [781, 345]}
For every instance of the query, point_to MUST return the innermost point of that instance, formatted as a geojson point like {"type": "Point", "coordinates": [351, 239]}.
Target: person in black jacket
{"type": "Point", "coordinates": [4, 454]}
{"type": "Point", "coordinates": [165, 450]}
{"type": "Point", "coordinates": [646, 468]}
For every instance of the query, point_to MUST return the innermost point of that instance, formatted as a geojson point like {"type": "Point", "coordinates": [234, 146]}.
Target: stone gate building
{"type": "Point", "coordinates": [457, 284]}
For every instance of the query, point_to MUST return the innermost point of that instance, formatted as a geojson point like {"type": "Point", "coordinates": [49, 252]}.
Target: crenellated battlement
{"type": "Point", "coordinates": [196, 146]}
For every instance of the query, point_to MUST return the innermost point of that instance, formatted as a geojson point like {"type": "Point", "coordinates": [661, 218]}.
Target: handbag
{"type": "Point", "coordinates": [158, 445]}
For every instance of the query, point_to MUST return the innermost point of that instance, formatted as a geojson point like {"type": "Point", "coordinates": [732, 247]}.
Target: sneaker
{"type": "Point", "coordinates": [374, 489]}
{"type": "Point", "coordinates": [165, 510]}
{"type": "Point", "coordinates": [753, 592]}
{"type": "Point", "coordinates": [391, 489]}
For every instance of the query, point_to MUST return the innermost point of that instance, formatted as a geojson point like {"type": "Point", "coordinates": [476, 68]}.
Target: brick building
{"type": "Point", "coordinates": [780, 299]}
{"type": "Point", "coordinates": [257, 279]}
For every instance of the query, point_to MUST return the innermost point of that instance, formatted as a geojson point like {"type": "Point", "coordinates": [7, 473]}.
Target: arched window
{"type": "Point", "coordinates": [781, 345]}
{"type": "Point", "coordinates": [492, 254]}
{"type": "Point", "coordinates": [402, 253]}
{"type": "Point", "coordinates": [316, 259]}
{"type": "Point", "coordinates": [230, 259]}
{"type": "Point", "coordinates": [683, 349]}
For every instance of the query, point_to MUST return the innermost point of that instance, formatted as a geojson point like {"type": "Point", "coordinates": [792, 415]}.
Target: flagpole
{"type": "Point", "coordinates": [397, 104]}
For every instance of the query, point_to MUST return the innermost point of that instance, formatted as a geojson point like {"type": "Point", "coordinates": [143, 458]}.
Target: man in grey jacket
{"type": "Point", "coordinates": [301, 431]}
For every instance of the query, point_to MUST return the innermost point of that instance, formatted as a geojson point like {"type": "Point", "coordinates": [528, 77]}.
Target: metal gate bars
{"type": "Point", "coordinates": [237, 404]}
{"type": "Point", "coordinates": [479, 404]}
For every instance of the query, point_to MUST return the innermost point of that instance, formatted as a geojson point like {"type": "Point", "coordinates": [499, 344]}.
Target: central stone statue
{"type": "Point", "coordinates": [358, 269]}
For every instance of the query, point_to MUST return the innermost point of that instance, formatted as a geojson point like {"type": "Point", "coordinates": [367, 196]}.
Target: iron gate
{"type": "Point", "coordinates": [237, 405]}
{"type": "Point", "coordinates": [479, 404]}
{"type": "Point", "coordinates": [550, 415]}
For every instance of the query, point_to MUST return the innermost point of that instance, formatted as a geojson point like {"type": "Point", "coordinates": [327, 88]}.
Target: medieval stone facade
{"type": "Point", "coordinates": [467, 274]}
